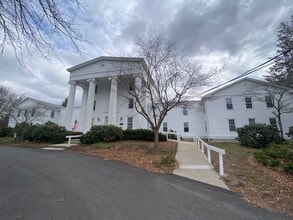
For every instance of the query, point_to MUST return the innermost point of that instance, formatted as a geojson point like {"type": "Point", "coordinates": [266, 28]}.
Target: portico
{"type": "Point", "coordinates": [104, 99]}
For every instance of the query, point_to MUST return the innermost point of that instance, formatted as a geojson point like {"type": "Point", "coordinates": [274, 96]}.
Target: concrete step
{"type": "Point", "coordinates": [75, 141]}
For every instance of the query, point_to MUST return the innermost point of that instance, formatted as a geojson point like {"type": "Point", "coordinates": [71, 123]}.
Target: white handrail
{"type": "Point", "coordinates": [202, 145]}
{"type": "Point", "coordinates": [72, 136]}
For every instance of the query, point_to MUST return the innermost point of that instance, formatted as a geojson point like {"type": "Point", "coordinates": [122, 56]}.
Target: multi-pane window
{"type": "Point", "coordinates": [229, 103]}
{"type": "Point", "coordinates": [52, 115]}
{"type": "Point", "coordinates": [25, 112]}
{"type": "Point", "coordinates": [273, 121]}
{"type": "Point", "coordinates": [186, 127]}
{"type": "Point", "coordinates": [248, 102]}
{"type": "Point", "coordinates": [251, 121]}
{"type": "Point", "coordinates": [269, 101]}
{"type": "Point", "coordinates": [19, 112]}
{"type": "Point", "coordinates": [232, 126]}
{"type": "Point", "coordinates": [129, 123]}
{"type": "Point", "coordinates": [185, 112]}
{"type": "Point", "coordinates": [130, 103]}
{"type": "Point", "coordinates": [94, 107]}
{"type": "Point", "coordinates": [165, 126]}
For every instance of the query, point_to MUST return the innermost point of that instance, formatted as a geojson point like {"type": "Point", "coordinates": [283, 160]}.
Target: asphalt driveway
{"type": "Point", "coordinates": [40, 184]}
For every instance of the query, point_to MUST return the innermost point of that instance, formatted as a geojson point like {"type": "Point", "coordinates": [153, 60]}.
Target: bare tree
{"type": "Point", "coordinates": [168, 78]}
{"type": "Point", "coordinates": [8, 102]}
{"type": "Point", "coordinates": [30, 26]}
{"type": "Point", "coordinates": [29, 114]}
{"type": "Point", "coordinates": [276, 97]}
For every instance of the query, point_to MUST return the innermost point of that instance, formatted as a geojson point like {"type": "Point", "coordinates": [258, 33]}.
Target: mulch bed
{"type": "Point", "coordinates": [135, 153]}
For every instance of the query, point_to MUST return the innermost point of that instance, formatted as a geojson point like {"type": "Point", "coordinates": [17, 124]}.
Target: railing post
{"type": "Point", "coordinates": [221, 164]}
{"type": "Point", "coordinates": [69, 141]}
{"type": "Point", "coordinates": [167, 136]}
{"type": "Point", "coordinates": [178, 137]}
{"type": "Point", "coordinates": [202, 147]}
{"type": "Point", "coordinates": [209, 156]}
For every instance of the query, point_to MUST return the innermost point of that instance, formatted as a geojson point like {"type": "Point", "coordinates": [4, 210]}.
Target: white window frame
{"type": "Point", "coordinates": [229, 102]}
{"type": "Point", "coordinates": [186, 127]}
{"type": "Point", "coordinates": [165, 126]}
{"type": "Point", "coordinates": [232, 129]}
{"type": "Point", "coordinates": [130, 123]}
{"type": "Point", "coordinates": [248, 104]}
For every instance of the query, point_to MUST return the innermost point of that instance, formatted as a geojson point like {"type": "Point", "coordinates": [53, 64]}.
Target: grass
{"type": "Point", "coordinates": [258, 184]}
{"type": "Point", "coordinates": [8, 141]}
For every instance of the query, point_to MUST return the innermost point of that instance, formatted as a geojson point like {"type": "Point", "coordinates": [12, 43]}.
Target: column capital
{"type": "Point", "coordinates": [72, 83]}
{"type": "Point", "coordinates": [92, 80]}
{"type": "Point", "coordinates": [112, 77]}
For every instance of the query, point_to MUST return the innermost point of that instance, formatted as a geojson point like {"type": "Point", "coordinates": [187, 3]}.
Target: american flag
{"type": "Point", "coordinates": [75, 125]}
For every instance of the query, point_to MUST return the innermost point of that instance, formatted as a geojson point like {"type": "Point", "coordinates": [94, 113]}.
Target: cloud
{"type": "Point", "coordinates": [238, 33]}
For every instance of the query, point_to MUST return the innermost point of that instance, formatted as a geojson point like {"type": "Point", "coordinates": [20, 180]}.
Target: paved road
{"type": "Point", "coordinates": [39, 184]}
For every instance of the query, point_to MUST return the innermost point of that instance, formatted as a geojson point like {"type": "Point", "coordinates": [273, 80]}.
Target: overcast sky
{"type": "Point", "coordinates": [237, 33]}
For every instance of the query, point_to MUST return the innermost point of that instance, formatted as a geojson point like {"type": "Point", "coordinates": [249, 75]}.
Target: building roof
{"type": "Point", "coordinates": [43, 103]}
{"type": "Point", "coordinates": [216, 89]}
{"type": "Point", "coordinates": [108, 58]}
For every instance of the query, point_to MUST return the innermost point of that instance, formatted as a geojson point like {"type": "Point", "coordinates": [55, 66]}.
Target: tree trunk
{"type": "Point", "coordinates": [280, 125]}
{"type": "Point", "coordinates": [156, 140]}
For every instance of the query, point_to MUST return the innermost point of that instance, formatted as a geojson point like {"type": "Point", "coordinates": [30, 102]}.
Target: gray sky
{"type": "Point", "coordinates": [237, 33]}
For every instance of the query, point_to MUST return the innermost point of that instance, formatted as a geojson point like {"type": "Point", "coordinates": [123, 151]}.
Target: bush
{"type": "Point", "coordinates": [61, 136]}
{"type": "Point", "coordinates": [290, 133]}
{"type": "Point", "coordinates": [289, 167]}
{"type": "Point", "coordinates": [20, 129]}
{"type": "Point", "coordinates": [47, 131]}
{"type": "Point", "coordinates": [275, 155]}
{"type": "Point", "coordinates": [5, 132]}
{"type": "Point", "coordinates": [258, 135]}
{"type": "Point", "coordinates": [142, 134]}
{"type": "Point", "coordinates": [102, 133]}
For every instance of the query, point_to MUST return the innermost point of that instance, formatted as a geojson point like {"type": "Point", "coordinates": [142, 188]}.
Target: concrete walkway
{"type": "Point", "coordinates": [194, 165]}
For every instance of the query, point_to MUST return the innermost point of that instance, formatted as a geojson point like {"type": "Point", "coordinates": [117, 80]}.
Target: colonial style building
{"type": "Point", "coordinates": [215, 115]}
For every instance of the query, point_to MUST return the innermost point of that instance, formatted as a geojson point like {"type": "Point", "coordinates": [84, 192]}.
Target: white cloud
{"type": "Point", "coordinates": [238, 33]}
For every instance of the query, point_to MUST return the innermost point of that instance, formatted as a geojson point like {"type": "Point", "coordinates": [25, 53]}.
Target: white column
{"type": "Point", "coordinates": [89, 105]}
{"type": "Point", "coordinates": [83, 108]}
{"type": "Point", "coordinates": [138, 91]}
{"type": "Point", "coordinates": [113, 101]}
{"type": "Point", "coordinates": [69, 107]}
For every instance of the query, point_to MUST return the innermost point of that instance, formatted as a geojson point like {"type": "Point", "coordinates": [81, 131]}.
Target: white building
{"type": "Point", "coordinates": [216, 115]}
{"type": "Point", "coordinates": [36, 112]}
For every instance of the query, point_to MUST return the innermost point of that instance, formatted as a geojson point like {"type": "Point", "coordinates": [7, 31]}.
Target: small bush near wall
{"type": "Point", "coordinates": [290, 133]}
{"type": "Point", "coordinates": [6, 132]}
{"type": "Point", "coordinates": [142, 134]}
{"type": "Point", "coordinates": [277, 155]}
{"type": "Point", "coordinates": [102, 133]}
{"type": "Point", "coordinates": [48, 132]}
{"type": "Point", "coordinates": [258, 135]}
{"type": "Point", "coordinates": [61, 136]}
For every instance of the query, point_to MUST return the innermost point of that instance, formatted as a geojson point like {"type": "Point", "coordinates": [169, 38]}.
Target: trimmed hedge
{"type": "Point", "coordinates": [258, 135]}
{"type": "Point", "coordinates": [142, 134]}
{"type": "Point", "coordinates": [102, 133]}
